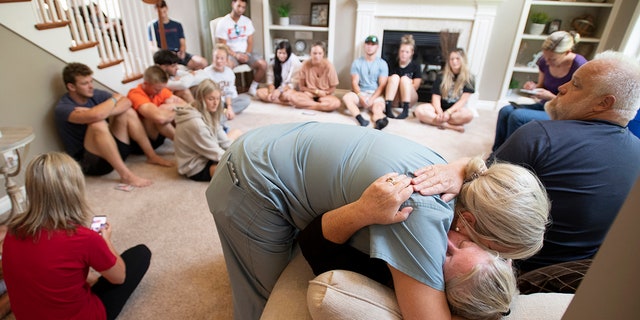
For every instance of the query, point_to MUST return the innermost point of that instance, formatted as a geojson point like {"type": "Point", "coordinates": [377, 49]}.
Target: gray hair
{"type": "Point", "coordinates": [484, 293]}
{"type": "Point", "coordinates": [621, 78]}
{"type": "Point", "coordinates": [510, 205]}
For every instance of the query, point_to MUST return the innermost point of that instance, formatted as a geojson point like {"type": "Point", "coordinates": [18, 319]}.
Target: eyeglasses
{"type": "Point", "coordinates": [236, 28]}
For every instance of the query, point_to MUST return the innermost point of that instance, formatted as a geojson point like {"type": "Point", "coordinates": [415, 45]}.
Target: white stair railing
{"type": "Point", "coordinates": [117, 28]}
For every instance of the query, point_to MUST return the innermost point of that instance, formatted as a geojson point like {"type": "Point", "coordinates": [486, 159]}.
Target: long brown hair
{"type": "Point", "coordinates": [463, 78]}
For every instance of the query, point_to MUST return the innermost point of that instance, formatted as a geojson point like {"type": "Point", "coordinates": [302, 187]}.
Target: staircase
{"type": "Point", "coordinates": [60, 28]}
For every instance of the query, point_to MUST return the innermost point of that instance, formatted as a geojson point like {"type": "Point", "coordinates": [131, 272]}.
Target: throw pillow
{"type": "Point", "coordinates": [340, 294]}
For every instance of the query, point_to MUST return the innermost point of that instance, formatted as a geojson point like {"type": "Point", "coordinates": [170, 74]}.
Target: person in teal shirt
{"type": "Point", "coordinates": [275, 180]}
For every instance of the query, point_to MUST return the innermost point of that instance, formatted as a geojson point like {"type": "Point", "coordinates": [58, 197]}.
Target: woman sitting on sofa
{"type": "Point", "coordinates": [479, 284]}
{"type": "Point", "coordinates": [279, 178]}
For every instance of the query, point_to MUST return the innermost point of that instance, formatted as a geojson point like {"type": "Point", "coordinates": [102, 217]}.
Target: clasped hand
{"type": "Point", "coordinates": [382, 199]}
{"type": "Point", "coordinates": [242, 57]}
{"type": "Point", "coordinates": [443, 179]}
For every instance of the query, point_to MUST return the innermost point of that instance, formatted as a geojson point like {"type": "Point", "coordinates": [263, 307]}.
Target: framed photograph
{"type": "Point", "coordinates": [554, 25]}
{"type": "Point", "coordinates": [320, 14]}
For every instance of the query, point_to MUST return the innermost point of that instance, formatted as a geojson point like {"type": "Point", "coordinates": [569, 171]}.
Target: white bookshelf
{"type": "Point", "coordinates": [301, 11]}
{"type": "Point", "coordinates": [526, 45]}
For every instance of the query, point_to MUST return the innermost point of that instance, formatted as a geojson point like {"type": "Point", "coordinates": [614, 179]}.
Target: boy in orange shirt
{"type": "Point", "coordinates": [155, 105]}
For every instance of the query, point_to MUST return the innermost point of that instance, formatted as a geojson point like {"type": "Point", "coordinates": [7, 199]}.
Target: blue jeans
{"type": "Point", "coordinates": [511, 118]}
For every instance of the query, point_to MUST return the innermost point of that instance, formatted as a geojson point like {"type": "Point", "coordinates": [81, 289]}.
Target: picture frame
{"type": "Point", "coordinates": [319, 14]}
{"type": "Point", "coordinates": [554, 26]}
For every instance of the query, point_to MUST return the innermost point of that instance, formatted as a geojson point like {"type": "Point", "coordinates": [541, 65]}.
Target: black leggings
{"type": "Point", "coordinates": [115, 296]}
{"type": "Point", "coordinates": [324, 255]}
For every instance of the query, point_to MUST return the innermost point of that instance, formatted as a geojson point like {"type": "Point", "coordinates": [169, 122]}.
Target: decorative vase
{"type": "Point", "coordinates": [536, 28]}
{"type": "Point", "coordinates": [284, 21]}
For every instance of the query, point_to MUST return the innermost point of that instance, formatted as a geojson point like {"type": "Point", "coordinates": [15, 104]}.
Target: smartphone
{"type": "Point", "coordinates": [98, 222]}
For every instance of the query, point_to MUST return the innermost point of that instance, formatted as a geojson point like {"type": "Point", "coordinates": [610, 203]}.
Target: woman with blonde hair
{"type": "Point", "coordinates": [501, 214]}
{"type": "Point", "coordinates": [556, 67]}
{"type": "Point", "coordinates": [282, 179]}
{"type": "Point", "coordinates": [450, 94]}
{"type": "Point", "coordinates": [49, 249]}
{"type": "Point", "coordinates": [404, 80]}
{"type": "Point", "coordinates": [200, 138]}
{"type": "Point", "coordinates": [224, 77]}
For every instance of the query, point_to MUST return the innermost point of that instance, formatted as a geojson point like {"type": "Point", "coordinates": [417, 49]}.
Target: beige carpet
{"type": "Point", "coordinates": [187, 277]}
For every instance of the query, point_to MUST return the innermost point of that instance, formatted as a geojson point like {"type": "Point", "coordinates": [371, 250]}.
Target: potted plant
{"type": "Point", "coordinates": [513, 84]}
{"type": "Point", "coordinates": [283, 12]}
{"type": "Point", "coordinates": [538, 20]}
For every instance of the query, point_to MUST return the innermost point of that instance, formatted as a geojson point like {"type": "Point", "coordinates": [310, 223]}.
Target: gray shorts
{"type": "Point", "coordinates": [253, 58]}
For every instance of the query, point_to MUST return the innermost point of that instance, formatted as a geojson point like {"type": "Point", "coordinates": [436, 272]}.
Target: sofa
{"type": "Point", "coordinates": [340, 294]}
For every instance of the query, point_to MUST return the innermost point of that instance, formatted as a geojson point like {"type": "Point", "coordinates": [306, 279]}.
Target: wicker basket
{"type": "Point", "coordinates": [584, 25]}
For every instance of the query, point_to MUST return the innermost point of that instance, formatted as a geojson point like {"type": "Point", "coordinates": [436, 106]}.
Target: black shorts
{"type": "Point", "coordinates": [445, 105]}
{"type": "Point", "coordinates": [204, 175]}
{"type": "Point", "coordinates": [135, 147]}
{"type": "Point", "coordinates": [187, 58]}
{"type": "Point", "coordinates": [93, 165]}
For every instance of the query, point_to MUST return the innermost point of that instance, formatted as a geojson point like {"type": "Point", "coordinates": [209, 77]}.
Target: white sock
{"type": "Point", "coordinates": [254, 85]}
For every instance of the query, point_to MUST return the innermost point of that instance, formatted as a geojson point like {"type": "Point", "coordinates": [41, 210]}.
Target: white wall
{"type": "Point", "coordinates": [186, 12]}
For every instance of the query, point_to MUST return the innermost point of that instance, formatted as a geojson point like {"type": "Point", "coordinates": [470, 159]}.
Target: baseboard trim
{"type": "Point", "coordinates": [485, 104]}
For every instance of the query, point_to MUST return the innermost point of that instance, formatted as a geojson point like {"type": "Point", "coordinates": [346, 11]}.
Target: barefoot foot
{"type": "Point", "coordinates": [454, 127]}
{"type": "Point", "coordinates": [158, 160]}
{"type": "Point", "coordinates": [136, 181]}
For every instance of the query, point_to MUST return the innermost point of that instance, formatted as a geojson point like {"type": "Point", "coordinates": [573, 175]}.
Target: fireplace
{"type": "Point", "coordinates": [471, 19]}
{"type": "Point", "coordinates": [428, 54]}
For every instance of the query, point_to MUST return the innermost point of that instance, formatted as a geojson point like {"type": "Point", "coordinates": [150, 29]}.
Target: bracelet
{"type": "Point", "coordinates": [115, 101]}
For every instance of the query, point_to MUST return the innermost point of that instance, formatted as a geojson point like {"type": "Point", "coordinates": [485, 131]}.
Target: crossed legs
{"type": "Point", "coordinates": [426, 113]}
{"type": "Point", "coordinates": [304, 100]}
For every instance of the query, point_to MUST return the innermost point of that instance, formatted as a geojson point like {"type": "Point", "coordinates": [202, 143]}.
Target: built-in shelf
{"type": "Point", "coordinates": [543, 37]}
{"type": "Point", "coordinates": [297, 32]}
{"type": "Point", "coordinates": [581, 4]}
{"type": "Point", "coordinates": [296, 27]}
{"type": "Point", "coordinates": [527, 45]}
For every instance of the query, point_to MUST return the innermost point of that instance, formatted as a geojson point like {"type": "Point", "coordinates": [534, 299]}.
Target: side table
{"type": "Point", "coordinates": [14, 139]}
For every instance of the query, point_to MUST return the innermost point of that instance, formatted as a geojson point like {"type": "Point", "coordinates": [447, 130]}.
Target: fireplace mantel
{"type": "Point", "coordinates": [472, 18]}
